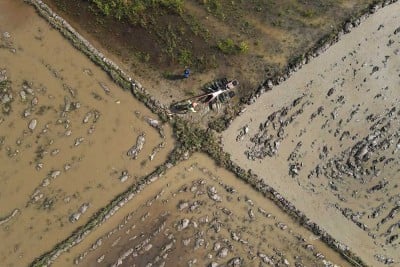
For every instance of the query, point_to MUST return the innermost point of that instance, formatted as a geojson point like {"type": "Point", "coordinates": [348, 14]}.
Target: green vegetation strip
{"type": "Point", "coordinates": [191, 138]}
{"type": "Point", "coordinates": [136, 11]}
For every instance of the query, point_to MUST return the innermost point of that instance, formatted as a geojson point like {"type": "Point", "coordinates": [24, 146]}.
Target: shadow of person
{"type": "Point", "coordinates": [174, 77]}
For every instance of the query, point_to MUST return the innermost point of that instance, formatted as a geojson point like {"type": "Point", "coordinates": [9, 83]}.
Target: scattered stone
{"type": "Point", "coordinates": [124, 176]}
{"type": "Point", "coordinates": [134, 151]}
{"type": "Point", "coordinates": [183, 224]}
{"type": "Point", "coordinates": [32, 124]}
{"type": "Point", "coordinates": [223, 252]}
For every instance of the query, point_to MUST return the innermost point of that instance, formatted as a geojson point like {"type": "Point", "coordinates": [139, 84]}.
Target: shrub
{"type": "Point", "coordinates": [185, 57]}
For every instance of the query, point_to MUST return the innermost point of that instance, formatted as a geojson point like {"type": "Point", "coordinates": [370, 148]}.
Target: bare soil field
{"type": "Point", "coordinates": [247, 40]}
{"type": "Point", "coordinates": [328, 139]}
{"type": "Point", "coordinates": [198, 214]}
{"type": "Point", "coordinates": [70, 139]}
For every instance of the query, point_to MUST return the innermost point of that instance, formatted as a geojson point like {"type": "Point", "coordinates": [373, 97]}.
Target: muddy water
{"type": "Point", "coordinates": [234, 220]}
{"type": "Point", "coordinates": [299, 149]}
{"type": "Point", "coordinates": [64, 136]}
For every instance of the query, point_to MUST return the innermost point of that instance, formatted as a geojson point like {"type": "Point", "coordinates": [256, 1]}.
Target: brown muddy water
{"type": "Point", "coordinates": [195, 215]}
{"type": "Point", "coordinates": [65, 129]}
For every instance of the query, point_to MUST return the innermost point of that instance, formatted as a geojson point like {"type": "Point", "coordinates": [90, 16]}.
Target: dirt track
{"type": "Point", "coordinates": [328, 138]}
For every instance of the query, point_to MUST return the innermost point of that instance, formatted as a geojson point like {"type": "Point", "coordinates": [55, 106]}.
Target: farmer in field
{"type": "Point", "coordinates": [191, 105]}
{"type": "Point", "coordinates": [186, 73]}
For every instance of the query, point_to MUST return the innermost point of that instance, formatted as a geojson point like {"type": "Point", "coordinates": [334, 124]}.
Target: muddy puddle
{"type": "Point", "coordinates": [198, 215]}
{"type": "Point", "coordinates": [328, 139]}
{"type": "Point", "coordinates": [65, 133]}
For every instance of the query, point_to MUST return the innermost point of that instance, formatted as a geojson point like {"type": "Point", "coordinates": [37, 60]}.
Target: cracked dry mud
{"type": "Point", "coordinates": [65, 130]}
{"type": "Point", "coordinates": [328, 139]}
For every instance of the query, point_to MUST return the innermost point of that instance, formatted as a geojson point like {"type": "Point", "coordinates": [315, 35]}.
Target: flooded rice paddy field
{"type": "Point", "coordinates": [71, 140]}
{"type": "Point", "coordinates": [198, 214]}
{"type": "Point", "coordinates": [65, 134]}
{"type": "Point", "coordinates": [328, 139]}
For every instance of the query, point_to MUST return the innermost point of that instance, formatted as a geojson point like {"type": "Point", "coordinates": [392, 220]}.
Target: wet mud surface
{"type": "Point", "coordinates": [200, 215]}
{"type": "Point", "coordinates": [328, 139]}
{"type": "Point", "coordinates": [70, 139]}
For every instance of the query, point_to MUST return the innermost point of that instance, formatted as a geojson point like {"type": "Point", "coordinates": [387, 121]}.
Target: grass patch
{"type": "Point", "coordinates": [229, 47]}
{"type": "Point", "coordinates": [137, 11]}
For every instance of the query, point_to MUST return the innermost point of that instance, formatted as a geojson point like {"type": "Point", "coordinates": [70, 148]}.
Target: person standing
{"type": "Point", "coordinates": [191, 105]}
{"type": "Point", "coordinates": [186, 73]}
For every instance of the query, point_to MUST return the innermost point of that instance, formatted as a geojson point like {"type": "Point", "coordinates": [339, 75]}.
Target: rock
{"type": "Point", "coordinates": [135, 149]}
{"type": "Point", "coordinates": [212, 194]}
{"type": "Point", "coordinates": [251, 214]}
{"type": "Point", "coordinates": [217, 246]}
{"type": "Point", "coordinates": [55, 174]}
{"type": "Point", "coordinates": [374, 69]}
{"type": "Point", "coordinates": [22, 94]}
{"type": "Point", "coordinates": [347, 27]}
{"type": "Point", "coordinates": [6, 35]}
{"type": "Point", "coordinates": [124, 176]}
{"type": "Point", "coordinates": [147, 247]}
{"type": "Point", "coordinates": [213, 264]}
{"type": "Point", "coordinates": [281, 226]}
{"type": "Point", "coordinates": [234, 236]}
{"type": "Point", "coordinates": [183, 205]}
{"type": "Point", "coordinates": [46, 182]}
{"type": "Point", "coordinates": [39, 166]}
{"type": "Point", "coordinates": [100, 259]}
{"type": "Point", "coordinates": [34, 101]}
{"type": "Point", "coordinates": [183, 224]}
{"type": "Point", "coordinates": [26, 113]}
{"type": "Point", "coordinates": [269, 84]}
{"type": "Point", "coordinates": [87, 117]}
{"type": "Point", "coordinates": [74, 217]}
{"type": "Point", "coordinates": [237, 261]}
{"type": "Point", "coordinates": [67, 167]}
{"type": "Point", "coordinates": [199, 243]}
{"type": "Point", "coordinates": [223, 252]}
{"type": "Point", "coordinates": [78, 141]}
{"type": "Point", "coordinates": [186, 242]}
{"type": "Point", "coordinates": [32, 124]}
{"type": "Point", "coordinates": [153, 123]}
{"type": "Point", "coordinates": [6, 98]}
{"type": "Point", "coordinates": [67, 104]}
{"type": "Point", "coordinates": [68, 133]}
{"type": "Point", "coordinates": [83, 208]}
